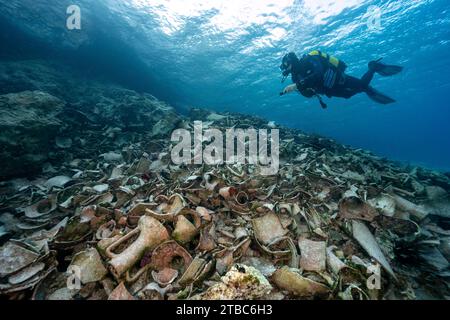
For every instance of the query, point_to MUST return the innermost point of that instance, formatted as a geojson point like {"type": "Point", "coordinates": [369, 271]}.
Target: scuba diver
{"type": "Point", "coordinates": [318, 73]}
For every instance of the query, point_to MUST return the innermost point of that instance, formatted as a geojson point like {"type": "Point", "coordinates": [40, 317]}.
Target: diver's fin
{"type": "Point", "coordinates": [378, 96]}
{"type": "Point", "coordinates": [384, 69]}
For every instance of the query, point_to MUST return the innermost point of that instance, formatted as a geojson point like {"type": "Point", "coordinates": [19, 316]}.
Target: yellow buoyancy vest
{"type": "Point", "coordinates": [332, 60]}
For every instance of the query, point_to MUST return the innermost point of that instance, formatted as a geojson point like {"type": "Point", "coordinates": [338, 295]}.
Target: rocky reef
{"type": "Point", "coordinates": [91, 207]}
{"type": "Point", "coordinates": [49, 111]}
{"type": "Point", "coordinates": [28, 122]}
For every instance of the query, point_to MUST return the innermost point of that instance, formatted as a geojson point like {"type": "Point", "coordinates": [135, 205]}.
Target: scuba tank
{"type": "Point", "coordinates": [330, 61]}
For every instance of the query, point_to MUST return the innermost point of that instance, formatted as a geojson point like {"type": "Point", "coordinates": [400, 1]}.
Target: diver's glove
{"type": "Point", "coordinates": [289, 89]}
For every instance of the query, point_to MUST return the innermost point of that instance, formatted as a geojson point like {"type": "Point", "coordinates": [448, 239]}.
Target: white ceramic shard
{"type": "Point", "coordinates": [58, 181]}
{"type": "Point", "coordinates": [313, 255]}
{"type": "Point", "coordinates": [365, 238]}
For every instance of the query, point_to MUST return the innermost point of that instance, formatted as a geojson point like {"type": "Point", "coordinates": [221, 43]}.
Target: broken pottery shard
{"type": "Point", "coordinates": [435, 192]}
{"type": "Point", "coordinates": [100, 188]}
{"type": "Point", "coordinates": [116, 173]}
{"type": "Point", "coordinates": [184, 231]}
{"type": "Point", "coordinates": [192, 272]}
{"type": "Point", "coordinates": [351, 175]}
{"type": "Point", "coordinates": [365, 238]}
{"type": "Point", "coordinates": [289, 279]}
{"type": "Point", "coordinates": [58, 181]}
{"type": "Point", "coordinates": [121, 293]}
{"type": "Point", "coordinates": [166, 253]}
{"type": "Point", "coordinates": [151, 234]}
{"type": "Point", "coordinates": [240, 232]}
{"type": "Point", "coordinates": [90, 266]}
{"type": "Point", "coordinates": [112, 157]}
{"type": "Point", "coordinates": [62, 294]}
{"type": "Point", "coordinates": [41, 208]}
{"type": "Point", "coordinates": [313, 255]}
{"type": "Point", "coordinates": [385, 203]}
{"type": "Point", "coordinates": [227, 192]}
{"type": "Point", "coordinates": [418, 211]}
{"type": "Point", "coordinates": [165, 277]}
{"type": "Point", "coordinates": [240, 283]}
{"type": "Point", "coordinates": [26, 273]}
{"type": "Point", "coordinates": [335, 264]}
{"type": "Point", "coordinates": [354, 208]}
{"type": "Point", "coordinates": [268, 228]}
{"type": "Point", "coordinates": [143, 165]}
{"type": "Point", "coordinates": [440, 207]}
{"type": "Point", "coordinates": [14, 258]}
{"type": "Point", "coordinates": [204, 213]}
{"type": "Point", "coordinates": [153, 292]}
{"type": "Point", "coordinates": [264, 265]}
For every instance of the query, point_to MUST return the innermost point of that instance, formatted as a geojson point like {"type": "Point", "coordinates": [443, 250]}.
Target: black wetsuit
{"type": "Point", "coordinates": [315, 75]}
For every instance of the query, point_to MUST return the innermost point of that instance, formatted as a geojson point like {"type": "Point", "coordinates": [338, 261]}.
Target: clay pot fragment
{"type": "Point", "coordinates": [41, 208]}
{"type": "Point", "coordinates": [74, 232]}
{"type": "Point", "coordinates": [105, 230]}
{"type": "Point", "coordinates": [313, 255]}
{"type": "Point", "coordinates": [167, 254]}
{"type": "Point", "coordinates": [112, 157]}
{"type": "Point", "coordinates": [121, 293]}
{"type": "Point", "coordinates": [150, 234]}
{"type": "Point", "coordinates": [165, 277]}
{"type": "Point", "coordinates": [197, 271]}
{"type": "Point", "coordinates": [289, 279]}
{"type": "Point", "coordinates": [184, 231]}
{"type": "Point", "coordinates": [268, 228]}
{"type": "Point", "coordinates": [206, 242]}
{"type": "Point", "coordinates": [228, 192]}
{"type": "Point", "coordinates": [14, 256]}
{"type": "Point", "coordinates": [137, 212]}
{"type": "Point", "coordinates": [58, 181]}
{"type": "Point", "coordinates": [335, 264]}
{"type": "Point", "coordinates": [417, 211]}
{"type": "Point", "coordinates": [354, 208]}
{"type": "Point", "coordinates": [172, 205]}
{"type": "Point", "coordinates": [29, 276]}
{"type": "Point", "coordinates": [385, 203]}
{"type": "Point", "coordinates": [153, 292]}
{"type": "Point", "coordinates": [204, 214]}
{"type": "Point", "coordinates": [90, 266]}
{"type": "Point", "coordinates": [210, 181]}
{"type": "Point", "coordinates": [365, 238]}
{"type": "Point", "coordinates": [123, 196]}
{"type": "Point", "coordinates": [26, 273]}
{"type": "Point", "coordinates": [101, 188]}
{"type": "Point", "coordinates": [241, 198]}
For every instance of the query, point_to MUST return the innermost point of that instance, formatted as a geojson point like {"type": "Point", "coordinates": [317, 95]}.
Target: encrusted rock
{"type": "Point", "coordinates": [240, 283]}
{"type": "Point", "coordinates": [28, 125]}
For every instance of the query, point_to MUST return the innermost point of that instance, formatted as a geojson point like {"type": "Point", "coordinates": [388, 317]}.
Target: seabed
{"type": "Point", "coordinates": [91, 207]}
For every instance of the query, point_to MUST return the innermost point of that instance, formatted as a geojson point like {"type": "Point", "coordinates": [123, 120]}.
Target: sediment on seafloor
{"type": "Point", "coordinates": [105, 208]}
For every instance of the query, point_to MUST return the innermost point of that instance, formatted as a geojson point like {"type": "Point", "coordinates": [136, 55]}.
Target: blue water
{"type": "Point", "coordinates": [224, 55]}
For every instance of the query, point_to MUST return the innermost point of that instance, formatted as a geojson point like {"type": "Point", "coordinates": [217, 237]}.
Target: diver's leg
{"type": "Point", "coordinates": [349, 88]}
{"type": "Point", "coordinates": [367, 78]}
{"type": "Point", "coordinates": [352, 86]}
